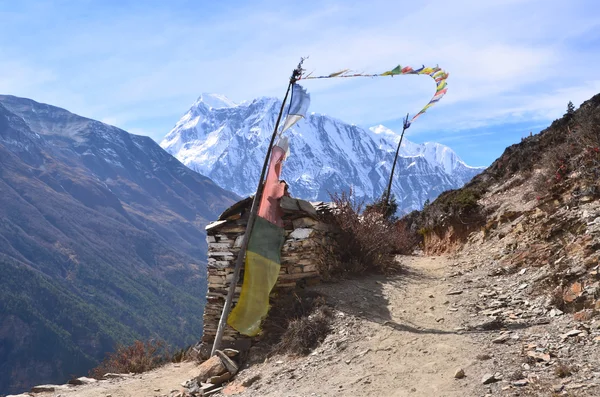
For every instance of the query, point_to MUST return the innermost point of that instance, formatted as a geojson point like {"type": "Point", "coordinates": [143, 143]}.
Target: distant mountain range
{"type": "Point", "coordinates": [101, 241]}
{"type": "Point", "coordinates": [227, 142]}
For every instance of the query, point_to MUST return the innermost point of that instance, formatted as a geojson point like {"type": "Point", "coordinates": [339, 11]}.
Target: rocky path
{"type": "Point", "coordinates": [398, 337]}
{"type": "Point", "coordinates": [419, 333]}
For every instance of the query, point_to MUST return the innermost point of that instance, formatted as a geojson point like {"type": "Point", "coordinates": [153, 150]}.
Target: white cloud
{"type": "Point", "coordinates": [508, 60]}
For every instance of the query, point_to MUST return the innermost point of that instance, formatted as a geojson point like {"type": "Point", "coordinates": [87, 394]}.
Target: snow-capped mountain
{"type": "Point", "coordinates": [227, 142]}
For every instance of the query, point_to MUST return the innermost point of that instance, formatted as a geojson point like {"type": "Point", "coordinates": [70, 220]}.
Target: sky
{"type": "Point", "coordinates": [139, 65]}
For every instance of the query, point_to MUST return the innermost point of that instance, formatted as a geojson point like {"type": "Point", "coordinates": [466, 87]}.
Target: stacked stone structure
{"type": "Point", "coordinates": [304, 230]}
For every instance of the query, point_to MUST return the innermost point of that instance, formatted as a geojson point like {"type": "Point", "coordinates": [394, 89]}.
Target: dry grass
{"type": "Point", "coordinates": [305, 333]}
{"type": "Point", "coordinates": [564, 156]}
{"type": "Point", "coordinates": [577, 149]}
{"type": "Point", "coordinates": [297, 323]}
{"type": "Point", "coordinates": [137, 358]}
{"type": "Point", "coordinates": [563, 370]}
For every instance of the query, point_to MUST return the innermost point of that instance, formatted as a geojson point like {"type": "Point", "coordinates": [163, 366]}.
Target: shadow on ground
{"type": "Point", "coordinates": [364, 297]}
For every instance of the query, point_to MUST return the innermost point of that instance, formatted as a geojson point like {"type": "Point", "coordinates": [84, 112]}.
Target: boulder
{"type": "Point", "coordinates": [231, 366]}
{"type": "Point", "coordinates": [211, 367]}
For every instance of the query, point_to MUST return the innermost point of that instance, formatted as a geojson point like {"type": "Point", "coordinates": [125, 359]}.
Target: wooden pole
{"type": "Point", "coordinates": [251, 218]}
{"type": "Point", "coordinates": [389, 188]}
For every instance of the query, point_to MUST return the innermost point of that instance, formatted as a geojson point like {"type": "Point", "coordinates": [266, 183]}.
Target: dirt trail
{"type": "Point", "coordinates": [394, 337]}
{"type": "Point", "coordinates": [159, 382]}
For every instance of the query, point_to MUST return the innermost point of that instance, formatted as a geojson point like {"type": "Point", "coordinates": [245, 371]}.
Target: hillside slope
{"type": "Point", "coordinates": [101, 240]}
{"type": "Point", "coordinates": [555, 171]}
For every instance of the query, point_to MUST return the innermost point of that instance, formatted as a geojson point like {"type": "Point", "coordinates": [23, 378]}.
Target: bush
{"type": "Point", "coordinates": [297, 322]}
{"type": "Point", "coordinates": [405, 241]}
{"type": "Point", "coordinates": [305, 333]}
{"type": "Point", "coordinates": [458, 208]}
{"type": "Point", "coordinates": [137, 358]}
{"type": "Point", "coordinates": [184, 354]}
{"type": "Point", "coordinates": [364, 243]}
{"type": "Point", "coordinates": [577, 151]}
{"type": "Point", "coordinates": [562, 370]}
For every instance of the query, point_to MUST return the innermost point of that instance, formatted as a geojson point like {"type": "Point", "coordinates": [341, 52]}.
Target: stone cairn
{"type": "Point", "coordinates": [303, 229]}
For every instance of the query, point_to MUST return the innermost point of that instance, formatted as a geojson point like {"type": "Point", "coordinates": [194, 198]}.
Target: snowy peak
{"type": "Point", "coordinates": [446, 157]}
{"type": "Point", "coordinates": [443, 155]}
{"type": "Point", "coordinates": [388, 140]}
{"type": "Point", "coordinates": [215, 101]}
{"type": "Point", "coordinates": [433, 152]}
{"type": "Point", "coordinates": [228, 145]}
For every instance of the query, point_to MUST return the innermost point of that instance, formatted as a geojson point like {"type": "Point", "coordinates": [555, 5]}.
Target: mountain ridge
{"type": "Point", "coordinates": [228, 144]}
{"type": "Point", "coordinates": [101, 241]}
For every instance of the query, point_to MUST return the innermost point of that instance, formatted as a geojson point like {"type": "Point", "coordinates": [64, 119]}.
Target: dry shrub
{"type": "Point", "coordinates": [297, 322]}
{"type": "Point", "coordinates": [577, 150]}
{"type": "Point", "coordinates": [305, 333]}
{"type": "Point", "coordinates": [382, 205]}
{"type": "Point", "coordinates": [516, 375]}
{"type": "Point", "coordinates": [137, 358]}
{"type": "Point", "coordinates": [458, 208]}
{"type": "Point", "coordinates": [562, 370]}
{"type": "Point", "coordinates": [185, 354]}
{"type": "Point", "coordinates": [405, 241]}
{"type": "Point", "coordinates": [364, 243]}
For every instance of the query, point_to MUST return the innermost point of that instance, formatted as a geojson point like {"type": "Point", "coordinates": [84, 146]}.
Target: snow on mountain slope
{"type": "Point", "coordinates": [433, 152]}
{"type": "Point", "coordinates": [227, 142]}
{"type": "Point", "coordinates": [215, 101]}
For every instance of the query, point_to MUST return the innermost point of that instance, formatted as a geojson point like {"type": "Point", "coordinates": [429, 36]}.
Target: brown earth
{"type": "Point", "coordinates": [157, 382]}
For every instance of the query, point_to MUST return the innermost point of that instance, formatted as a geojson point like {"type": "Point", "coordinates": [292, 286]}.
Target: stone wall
{"type": "Point", "coordinates": [298, 259]}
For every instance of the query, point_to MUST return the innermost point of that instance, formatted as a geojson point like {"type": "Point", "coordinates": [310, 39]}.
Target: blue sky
{"type": "Point", "coordinates": [513, 64]}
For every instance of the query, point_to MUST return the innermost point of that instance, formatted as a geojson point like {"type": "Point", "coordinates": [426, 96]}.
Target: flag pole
{"type": "Point", "coordinates": [389, 188]}
{"type": "Point", "coordinates": [251, 218]}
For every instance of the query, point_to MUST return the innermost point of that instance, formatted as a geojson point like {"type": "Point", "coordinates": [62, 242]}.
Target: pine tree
{"type": "Point", "coordinates": [570, 109]}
